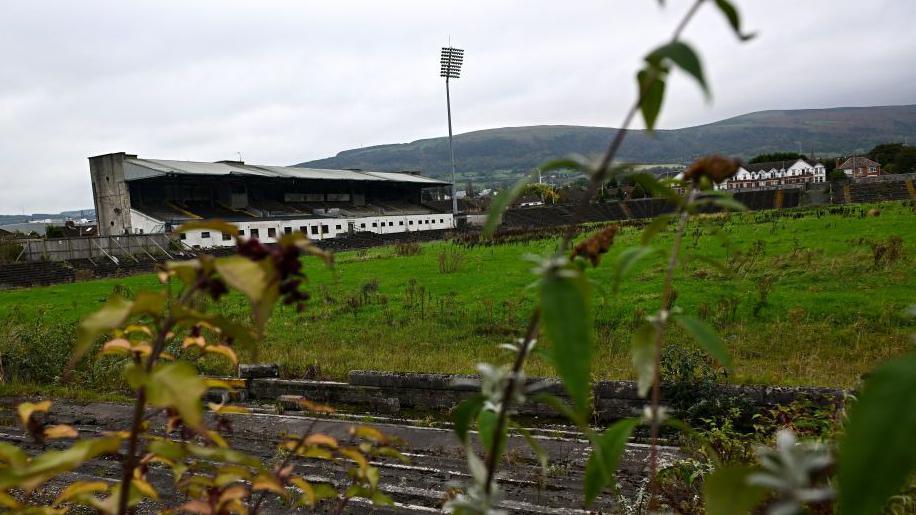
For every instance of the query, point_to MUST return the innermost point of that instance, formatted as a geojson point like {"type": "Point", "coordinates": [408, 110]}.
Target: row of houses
{"type": "Point", "coordinates": [795, 173]}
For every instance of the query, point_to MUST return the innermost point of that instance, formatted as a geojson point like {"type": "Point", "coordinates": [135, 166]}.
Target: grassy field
{"type": "Point", "coordinates": [798, 295]}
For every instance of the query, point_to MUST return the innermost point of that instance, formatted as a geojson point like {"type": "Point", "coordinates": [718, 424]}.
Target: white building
{"type": "Point", "coordinates": [776, 174]}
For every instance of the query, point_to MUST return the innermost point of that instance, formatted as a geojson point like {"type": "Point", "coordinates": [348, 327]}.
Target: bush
{"type": "Point", "coordinates": [407, 248]}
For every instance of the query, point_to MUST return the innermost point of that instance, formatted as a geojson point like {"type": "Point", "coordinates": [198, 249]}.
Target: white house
{"type": "Point", "coordinates": [776, 174]}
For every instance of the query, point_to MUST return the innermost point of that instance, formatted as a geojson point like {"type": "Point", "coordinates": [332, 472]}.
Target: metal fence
{"type": "Point", "coordinates": [129, 247]}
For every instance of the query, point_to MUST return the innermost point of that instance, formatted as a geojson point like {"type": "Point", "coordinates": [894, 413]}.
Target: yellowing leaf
{"type": "Point", "coordinates": [193, 341]}
{"type": "Point", "coordinates": [321, 439]}
{"type": "Point", "coordinates": [27, 409]}
{"type": "Point", "coordinates": [217, 439]}
{"type": "Point", "coordinates": [233, 493]}
{"type": "Point", "coordinates": [145, 488]}
{"type": "Point", "coordinates": [308, 493]}
{"type": "Point", "coordinates": [137, 328]}
{"type": "Point", "coordinates": [357, 457]}
{"type": "Point", "coordinates": [223, 350]}
{"type": "Point", "coordinates": [60, 431]}
{"type": "Point", "coordinates": [80, 488]}
{"type": "Point", "coordinates": [369, 433]}
{"type": "Point", "coordinates": [316, 452]}
{"type": "Point", "coordinates": [270, 484]}
{"type": "Point", "coordinates": [116, 346]}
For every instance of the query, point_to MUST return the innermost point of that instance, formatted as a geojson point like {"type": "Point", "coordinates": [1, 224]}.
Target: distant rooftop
{"type": "Point", "coordinates": [137, 168]}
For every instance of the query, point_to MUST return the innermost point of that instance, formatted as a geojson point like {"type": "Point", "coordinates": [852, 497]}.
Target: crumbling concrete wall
{"type": "Point", "coordinates": [391, 392]}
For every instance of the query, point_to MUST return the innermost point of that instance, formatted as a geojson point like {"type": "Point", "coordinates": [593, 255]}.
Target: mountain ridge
{"type": "Point", "coordinates": [826, 131]}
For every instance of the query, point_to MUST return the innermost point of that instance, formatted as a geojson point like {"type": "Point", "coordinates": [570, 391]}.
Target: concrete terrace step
{"type": "Point", "coordinates": [436, 461]}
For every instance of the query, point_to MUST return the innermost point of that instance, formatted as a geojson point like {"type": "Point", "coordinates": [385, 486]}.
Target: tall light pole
{"type": "Point", "coordinates": [451, 69]}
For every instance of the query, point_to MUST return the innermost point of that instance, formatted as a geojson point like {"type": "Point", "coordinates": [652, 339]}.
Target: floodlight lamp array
{"type": "Point", "coordinates": [451, 62]}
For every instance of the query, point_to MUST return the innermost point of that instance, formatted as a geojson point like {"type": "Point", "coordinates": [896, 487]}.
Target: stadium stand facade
{"type": "Point", "coordinates": [141, 196]}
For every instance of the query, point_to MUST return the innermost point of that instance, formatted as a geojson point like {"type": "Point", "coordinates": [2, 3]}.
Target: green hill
{"type": "Point", "coordinates": [515, 149]}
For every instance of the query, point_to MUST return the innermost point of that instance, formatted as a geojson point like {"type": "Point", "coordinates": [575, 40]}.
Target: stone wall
{"type": "Point", "coordinates": [391, 392]}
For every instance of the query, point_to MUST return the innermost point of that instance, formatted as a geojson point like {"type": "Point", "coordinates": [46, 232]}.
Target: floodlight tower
{"type": "Point", "coordinates": [451, 69]}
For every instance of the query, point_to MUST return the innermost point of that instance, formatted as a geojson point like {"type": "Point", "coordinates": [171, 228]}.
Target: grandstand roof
{"type": "Point", "coordinates": [137, 168]}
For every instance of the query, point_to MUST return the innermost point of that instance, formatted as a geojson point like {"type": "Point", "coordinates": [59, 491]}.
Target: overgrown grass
{"type": "Point", "coordinates": [801, 296]}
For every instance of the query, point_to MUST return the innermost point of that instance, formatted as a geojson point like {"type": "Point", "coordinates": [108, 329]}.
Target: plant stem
{"type": "Point", "coordinates": [503, 415]}
{"type": "Point", "coordinates": [660, 325]}
{"type": "Point", "coordinates": [595, 182]}
{"type": "Point", "coordinates": [130, 460]}
{"type": "Point", "coordinates": [286, 462]}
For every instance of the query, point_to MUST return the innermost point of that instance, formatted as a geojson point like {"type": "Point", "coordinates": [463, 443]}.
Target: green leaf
{"type": "Point", "coordinates": [177, 385]}
{"type": "Point", "coordinates": [380, 499]}
{"type": "Point", "coordinates": [12, 455]}
{"type": "Point", "coordinates": [215, 225]}
{"type": "Point", "coordinates": [149, 303]}
{"type": "Point", "coordinates": [568, 322]}
{"type": "Point", "coordinates": [651, 92]}
{"type": "Point", "coordinates": [727, 492]}
{"type": "Point", "coordinates": [486, 426]}
{"type": "Point", "coordinates": [499, 205]}
{"type": "Point", "coordinates": [731, 13]}
{"type": "Point", "coordinates": [706, 337]}
{"type": "Point", "coordinates": [113, 314]}
{"type": "Point", "coordinates": [247, 276]}
{"type": "Point", "coordinates": [878, 452]}
{"type": "Point", "coordinates": [606, 452]}
{"type": "Point", "coordinates": [682, 55]}
{"type": "Point", "coordinates": [464, 413]}
{"type": "Point", "coordinates": [51, 463]}
{"type": "Point", "coordinates": [643, 354]}
{"type": "Point", "coordinates": [657, 225]}
{"type": "Point", "coordinates": [626, 260]}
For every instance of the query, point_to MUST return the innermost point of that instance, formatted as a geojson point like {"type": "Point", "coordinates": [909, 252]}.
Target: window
{"type": "Point", "coordinates": [374, 224]}
{"type": "Point", "coordinates": [255, 233]}
{"type": "Point", "coordinates": [411, 222]}
{"type": "Point", "coordinates": [288, 230]}
{"type": "Point", "coordinates": [337, 227]}
{"type": "Point", "coordinates": [205, 235]}
{"type": "Point", "coordinates": [241, 232]}
{"type": "Point", "coordinates": [401, 222]}
{"type": "Point", "coordinates": [271, 232]}
{"type": "Point", "coordinates": [324, 229]}
{"type": "Point", "coordinates": [314, 229]}
{"type": "Point", "coordinates": [442, 220]}
{"type": "Point", "coordinates": [227, 236]}
{"type": "Point", "coordinates": [183, 236]}
{"type": "Point", "coordinates": [304, 229]}
{"type": "Point", "coordinates": [362, 226]}
{"type": "Point", "coordinates": [390, 224]}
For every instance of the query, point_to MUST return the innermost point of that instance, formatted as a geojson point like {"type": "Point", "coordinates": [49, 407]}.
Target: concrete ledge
{"type": "Point", "coordinates": [390, 392]}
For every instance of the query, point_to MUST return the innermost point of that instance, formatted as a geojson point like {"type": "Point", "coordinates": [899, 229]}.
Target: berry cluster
{"type": "Point", "coordinates": [287, 261]}
{"type": "Point", "coordinates": [594, 247]}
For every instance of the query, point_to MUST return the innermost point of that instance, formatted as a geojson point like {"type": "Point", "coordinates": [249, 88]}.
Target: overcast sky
{"type": "Point", "coordinates": [283, 82]}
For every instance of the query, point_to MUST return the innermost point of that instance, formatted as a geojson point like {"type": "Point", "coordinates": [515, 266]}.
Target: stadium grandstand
{"type": "Point", "coordinates": [141, 196]}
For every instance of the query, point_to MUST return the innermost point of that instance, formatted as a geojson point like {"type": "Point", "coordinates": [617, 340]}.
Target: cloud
{"type": "Point", "coordinates": [286, 81]}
